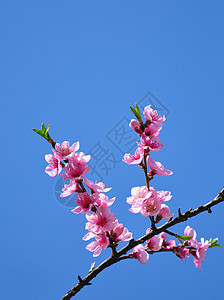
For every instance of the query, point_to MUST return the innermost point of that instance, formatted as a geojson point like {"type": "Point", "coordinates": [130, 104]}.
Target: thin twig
{"type": "Point", "coordinates": [145, 172]}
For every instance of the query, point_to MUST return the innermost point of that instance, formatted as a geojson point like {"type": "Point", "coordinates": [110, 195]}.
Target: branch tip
{"type": "Point", "coordinates": [179, 213]}
{"type": "Point", "coordinates": [80, 280]}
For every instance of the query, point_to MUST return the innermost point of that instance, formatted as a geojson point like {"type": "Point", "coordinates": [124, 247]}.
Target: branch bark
{"type": "Point", "coordinates": [120, 255]}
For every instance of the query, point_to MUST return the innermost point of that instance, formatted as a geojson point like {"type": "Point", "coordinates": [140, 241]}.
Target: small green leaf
{"type": "Point", "coordinates": [182, 238]}
{"type": "Point", "coordinates": [43, 128]}
{"type": "Point", "coordinates": [137, 113]}
{"type": "Point", "coordinates": [43, 132]}
{"type": "Point", "coordinates": [137, 109]}
{"type": "Point", "coordinates": [214, 243]}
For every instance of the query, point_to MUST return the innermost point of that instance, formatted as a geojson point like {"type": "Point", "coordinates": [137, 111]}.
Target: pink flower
{"type": "Point", "coordinates": [138, 196]}
{"type": "Point", "coordinates": [152, 130]}
{"type": "Point", "coordinates": [136, 126]}
{"type": "Point", "coordinates": [65, 151]}
{"type": "Point", "coordinates": [125, 235]}
{"type": "Point", "coordinates": [188, 231]}
{"type": "Point", "coordinates": [167, 244]}
{"type": "Point", "coordinates": [55, 166]}
{"type": "Point", "coordinates": [101, 221]}
{"type": "Point", "coordinates": [164, 213]}
{"type": "Point", "coordinates": [155, 243]}
{"type": "Point", "coordinates": [157, 168]}
{"type": "Point", "coordinates": [89, 236]}
{"type": "Point", "coordinates": [182, 252]}
{"type": "Point", "coordinates": [191, 232]}
{"type": "Point", "coordinates": [152, 116]}
{"type": "Point", "coordinates": [152, 143]}
{"type": "Point", "coordinates": [192, 246]}
{"type": "Point", "coordinates": [164, 195]}
{"type": "Point", "coordinates": [119, 233]}
{"type": "Point", "coordinates": [70, 188]}
{"type": "Point", "coordinates": [200, 254]}
{"type": "Point", "coordinates": [102, 200]}
{"type": "Point", "coordinates": [96, 187]}
{"type": "Point", "coordinates": [135, 159]}
{"type": "Point", "coordinates": [84, 202]}
{"type": "Point", "coordinates": [147, 202]}
{"type": "Point", "coordinates": [151, 206]}
{"type": "Point", "coordinates": [140, 254]}
{"type": "Point", "coordinates": [97, 246]}
{"type": "Point", "coordinates": [77, 166]}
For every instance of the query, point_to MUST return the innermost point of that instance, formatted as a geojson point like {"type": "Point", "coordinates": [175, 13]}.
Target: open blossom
{"type": "Point", "coordinates": [125, 235]}
{"type": "Point", "coordinates": [97, 246]}
{"type": "Point", "coordinates": [147, 202]}
{"type": "Point", "coordinates": [164, 195]}
{"type": "Point", "coordinates": [151, 206]}
{"type": "Point", "coordinates": [77, 166]}
{"type": "Point", "coordinates": [140, 254]}
{"type": "Point", "coordinates": [164, 213]}
{"type": "Point", "coordinates": [136, 158]}
{"type": "Point", "coordinates": [152, 116]}
{"type": "Point", "coordinates": [96, 187]}
{"type": "Point", "coordinates": [157, 168]}
{"type": "Point", "coordinates": [118, 233]}
{"type": "Point", "coordinates": [200, 254]}
{"type": "Point", "coordinates": [138, 195]}
{"type": "Point", "coordinates": [101, 221]}
{"type": "Point", "coordinates": [152, 130]}
{"type": "Point", "coordinates": [65, 151]}
{"type": "Point", "coordinates": [69, 189]}
{"type": "Point", "coordinates": [84, 202]}
{"type": "Point", "coordinates": [152, 143]}
{"type": "Point", "coordinates": [155, 243]}
{"type": "Point", "coordinates": [102, 200]}
{"type": "Point", "coordinates": [55, 166]}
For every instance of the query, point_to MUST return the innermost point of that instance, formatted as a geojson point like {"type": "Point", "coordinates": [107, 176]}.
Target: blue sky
{"type": "Point", "coordinates": [78, 65]}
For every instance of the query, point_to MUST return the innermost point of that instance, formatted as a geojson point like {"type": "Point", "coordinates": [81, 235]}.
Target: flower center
{"type": "Point", "coordinates": [65, 152]}
{"type": "Point", "coordinates": [102, 222]}
{"type": "Point", "coordinates": [150, 208]}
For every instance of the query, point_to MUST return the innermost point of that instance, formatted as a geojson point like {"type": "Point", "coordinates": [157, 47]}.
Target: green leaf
{"type": "Point", "coordinates": [137, 113]}
{"type": "Point", "coordinates": [43, 128]}
{"type": "Point", "coordinates": [43, 132]}
{"type": "Point", "coordinates": [137, 109]}
{"type": "Point", "coordinates": [214, 243]}
{"type": "Point", "coordinates": [182, 238]}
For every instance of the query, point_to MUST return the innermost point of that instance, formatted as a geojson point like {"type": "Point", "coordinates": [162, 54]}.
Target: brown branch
{"type": "Point", "coordinates": [161, 250]}
{"type": "Point", "coordinates": [111, 244]}
{"type": "Point", "coordinates": [145, 172]}
{"type": "Point", "coordinates": [121, 254]}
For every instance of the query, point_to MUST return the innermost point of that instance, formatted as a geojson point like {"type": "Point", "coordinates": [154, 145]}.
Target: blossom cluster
{"type": "Point", "coordinates": [91, 200]}
{"type": "Point", "coordinates": [192, 247]}
{"type": "Point", "coordinates": [149, 202]}
{"type": "Point", "coordinates": [102, 223]}
{"type": "Point", "coordinates": [183, 250]}
{"type": "Point", "coordinates": [156, 243]}
{"type": "Point", "coordinates": [146, 200]}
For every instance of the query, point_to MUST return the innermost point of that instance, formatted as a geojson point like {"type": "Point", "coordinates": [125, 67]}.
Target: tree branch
{"type": "Point", "coordinates": [120, 255]}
